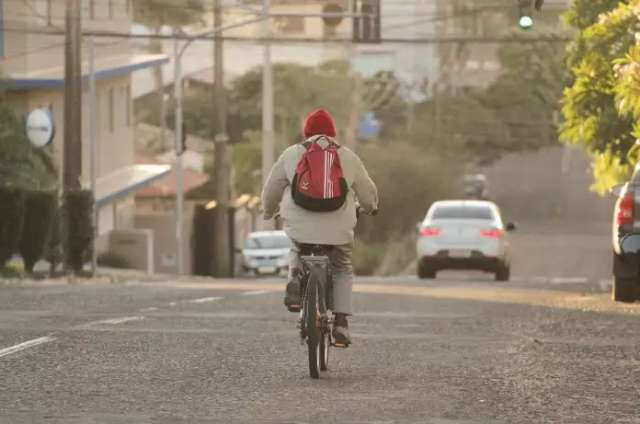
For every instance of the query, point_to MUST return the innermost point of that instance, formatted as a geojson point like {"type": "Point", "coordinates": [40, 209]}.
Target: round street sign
{"type": "Point", "coordinates": [332, 8]}
{"type": "Point", "coordinates": [40, 127]}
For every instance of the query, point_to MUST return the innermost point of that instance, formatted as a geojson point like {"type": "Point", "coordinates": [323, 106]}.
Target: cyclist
{"type": "Point", "coordinates": [345, 180]}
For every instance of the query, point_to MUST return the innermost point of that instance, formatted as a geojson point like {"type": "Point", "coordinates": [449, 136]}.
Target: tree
{"type": "Point", "coordinates": [22, 165]}
{"type": "Point", "coordinates": [156, 14]}
{"type": "Point", "coordinates": [592, 117]}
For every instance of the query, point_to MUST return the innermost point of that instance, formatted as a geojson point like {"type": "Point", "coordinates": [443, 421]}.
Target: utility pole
{"type": "Point", "coordinates": [177, 87]}
{"type": "Point", "coordinates": [268, 135]}
{"type": "Point", "coordinates": [93, 140]}
{"type": "Point", "coordinates": [222, 166]}
{"type": "Point", "coordinates": [72, 151]}
{"type": "Point", "coordinates": [72, 98]}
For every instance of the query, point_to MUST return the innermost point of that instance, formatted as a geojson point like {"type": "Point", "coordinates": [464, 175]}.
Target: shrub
{"type": "Point", "coordinates": [79, 227]}
{"type": "Point", "coordinates": [367, 257]}
{"type": "Point", "coordinates": [39, 211]}
{"type": "Point", "coordinates": [11, 218]}
{"type": "Point", "coordinates": [53, 250]}
{"type": "Point", "coordinates": [113, 260]}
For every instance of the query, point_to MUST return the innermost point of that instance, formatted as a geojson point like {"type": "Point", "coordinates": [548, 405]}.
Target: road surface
{"type": "Point", "coordinates": [461, 349]}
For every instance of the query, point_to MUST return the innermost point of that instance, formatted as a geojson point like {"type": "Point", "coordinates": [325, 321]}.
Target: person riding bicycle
{"type": "Point", "coordinates": [289, 191]}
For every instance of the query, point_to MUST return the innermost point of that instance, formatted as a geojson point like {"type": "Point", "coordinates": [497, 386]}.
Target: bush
{"type": "Point", "coordinates": [409, 179]}
{"type": "Point", "coordinates": [39, 211]}
{"type": "Point", "coordinates": [367, 257]}
{"type": "Point", "coordinates": [79, 227]}
{"type": "Point", "coordinates": [53, 250]}
{"type": "Point", "coordinates": [113, 260]}
{"type": "Point", "coordinates": [11, 218]}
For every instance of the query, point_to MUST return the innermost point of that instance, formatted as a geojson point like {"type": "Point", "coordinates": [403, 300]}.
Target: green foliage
{"type": "Point", "coordinates": [367, 257]}
{"type": "Point", "coordinates": [113, 260]}
{"type": "Point", "coordinates": [599, 106]}
{"type": "Point", "coordinates": [409, 177]}
{"type": "Point", "coordinates": [174, 13]}
{"type": "Point", "coordinates": [39, 211]}
{"type": "Point", "coordinates": [21, 164]}
{"type": "Point", "coordinates": [79, 228]}
{"type": "Point", "coordinates": [54, 248]}
{"type": "Point", "coordinates": [11, 219]}
{"type": "Point", "coordinates": [247, 163]}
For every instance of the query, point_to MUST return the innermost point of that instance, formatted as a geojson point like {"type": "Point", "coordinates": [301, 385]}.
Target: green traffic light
{"type": "Point", "coordinates": [526, 22]}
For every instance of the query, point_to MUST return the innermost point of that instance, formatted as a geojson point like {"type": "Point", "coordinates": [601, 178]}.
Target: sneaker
{"type": "Point", "coordinates": [292, 298]}
{"type": "Point", "coordinates": [341, 335]}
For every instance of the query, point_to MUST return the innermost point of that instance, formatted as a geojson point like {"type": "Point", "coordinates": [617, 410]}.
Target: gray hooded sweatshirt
{"type": "Point", "coordinates": [332, 228]}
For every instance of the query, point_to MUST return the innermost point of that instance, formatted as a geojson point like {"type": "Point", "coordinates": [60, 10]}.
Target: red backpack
{"type": "Point", "coordinates": [319, 184]}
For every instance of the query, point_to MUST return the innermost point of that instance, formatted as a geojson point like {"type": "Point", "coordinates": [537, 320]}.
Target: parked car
{"type": "Point", "coordinates": [266, 252]}
{"type": "Point", "coordinates": [464, 234]}
{"type": "Point", "coordinates": [626, 241]}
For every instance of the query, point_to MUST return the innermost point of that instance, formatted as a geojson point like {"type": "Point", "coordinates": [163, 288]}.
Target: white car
{"type": "Point", "coordinates": [464, 234]}
{"type": "Point", "coordinates": [266, 252]}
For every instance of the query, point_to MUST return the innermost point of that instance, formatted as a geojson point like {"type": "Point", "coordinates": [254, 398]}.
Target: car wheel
{"type": "Point", "coordinates": [424, 272]}
{"type": "Point", "coordinates": [625, 290]}
{"type": "Point", "coordinates": [503, 273]}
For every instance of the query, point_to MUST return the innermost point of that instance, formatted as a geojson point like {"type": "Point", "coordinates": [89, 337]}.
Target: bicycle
{"type": "Point", "coordinates": [316, 318]}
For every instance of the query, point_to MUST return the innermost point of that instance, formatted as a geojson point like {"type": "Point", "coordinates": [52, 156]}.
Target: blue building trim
{"type": "Point", "coordinates": [110, 198]}
{"type": "Point", "coordinates": [58, 83]}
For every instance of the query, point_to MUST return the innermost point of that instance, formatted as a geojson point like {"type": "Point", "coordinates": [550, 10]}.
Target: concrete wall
{"type": "Point", "coordinates": [162, 223]}
{"type": "Point", "coordinates": [135, 245]}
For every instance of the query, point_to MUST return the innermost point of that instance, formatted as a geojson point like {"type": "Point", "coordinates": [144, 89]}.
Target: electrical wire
{"type": "Point", "coordinates": [506, 39]}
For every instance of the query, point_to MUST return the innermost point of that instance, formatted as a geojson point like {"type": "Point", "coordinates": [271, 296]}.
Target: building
{"type": "Point", "coordinates": [32, 73]}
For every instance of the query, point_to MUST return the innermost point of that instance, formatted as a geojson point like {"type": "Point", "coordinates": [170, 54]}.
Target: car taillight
{"type": "Point", "coordinates": [626, 208]}
{"type": "Point", "coordinates": [430, 232]}
{"type": "Point", "coordinates": [493, 233]}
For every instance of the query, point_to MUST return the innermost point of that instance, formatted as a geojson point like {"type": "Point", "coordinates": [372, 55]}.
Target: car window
{"type": "Point", "coordinates": [268, 242]}
{"type": "Point", "coordinates": [463, 212]}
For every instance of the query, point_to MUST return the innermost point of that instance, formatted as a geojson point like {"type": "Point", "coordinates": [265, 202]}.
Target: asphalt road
{"type": "Point", "coordinates": [462, 349]}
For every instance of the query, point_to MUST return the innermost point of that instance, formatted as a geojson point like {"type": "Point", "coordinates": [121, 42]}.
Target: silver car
{"type": "Point", "coordinates": [463, 234]}
{"type": "Point", "coordinates": [266, 252]}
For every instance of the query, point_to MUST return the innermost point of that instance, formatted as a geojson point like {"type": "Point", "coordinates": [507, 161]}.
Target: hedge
{"type": "Point", "coordinates": [39, 213]}
{"type": "Point", "coordinates": [79, 228]}
{"type": "Point", "coordinates": [11, 219]}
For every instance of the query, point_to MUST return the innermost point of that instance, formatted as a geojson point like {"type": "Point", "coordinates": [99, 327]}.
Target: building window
{"type": "Point", "coordinates": [290, 24]}
{"type": "Point", "coordinates": [92, 9]}
{"type": "Point", "coordinates": [110, 8]}
{"type": "Point", "coordinates": [112, 112]}
{"type": "Point", "coordinates": [42, 8]}
{"type": "Point", "coordinates": [85, 8]}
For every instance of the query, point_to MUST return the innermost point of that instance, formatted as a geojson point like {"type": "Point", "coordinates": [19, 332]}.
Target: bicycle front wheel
{"type": "Point", "coordinates": [312, 324]}
{"type": "Point", "coordinates": [325, 344]}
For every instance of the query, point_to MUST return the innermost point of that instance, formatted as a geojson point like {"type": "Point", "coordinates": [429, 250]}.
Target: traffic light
{"type": "Point", "coordinates": [525, 9]}
{"type": "Point", "coordinates": [367, 28]}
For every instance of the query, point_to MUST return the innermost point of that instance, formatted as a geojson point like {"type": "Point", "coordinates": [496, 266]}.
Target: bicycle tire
{"type": "Point", "coordinates": [312, 328]}
{"type": "Point", "coordinates": [325, 345]}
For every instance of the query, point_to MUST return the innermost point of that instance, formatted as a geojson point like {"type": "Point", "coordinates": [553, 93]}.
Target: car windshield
{"type": "Point", "coordinates": [268, 242]}
{"type": "Point", "coordinates": [463, 212]}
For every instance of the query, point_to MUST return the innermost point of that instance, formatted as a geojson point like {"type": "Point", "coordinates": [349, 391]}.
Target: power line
{"type": "Point", "coordinates": [509, 39]}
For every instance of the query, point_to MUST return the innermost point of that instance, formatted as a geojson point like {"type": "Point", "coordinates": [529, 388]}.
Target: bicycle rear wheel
{"type": "Point", "coordinates": [312, 324]}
